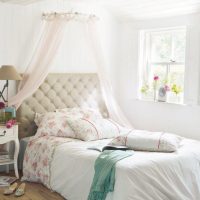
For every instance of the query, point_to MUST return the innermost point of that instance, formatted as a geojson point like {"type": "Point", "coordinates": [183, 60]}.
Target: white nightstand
{"type": "Point", "coordinates": [6, 136]}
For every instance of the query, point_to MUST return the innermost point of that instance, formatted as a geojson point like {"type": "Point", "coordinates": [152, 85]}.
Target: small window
{"type": "Point", "coordinates": [162, 61]}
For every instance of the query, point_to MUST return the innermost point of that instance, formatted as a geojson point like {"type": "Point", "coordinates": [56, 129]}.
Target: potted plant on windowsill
{"type": "Point", "coordinates": [176, 90]}
{"type": "Point", "coordinates": [144, 91]}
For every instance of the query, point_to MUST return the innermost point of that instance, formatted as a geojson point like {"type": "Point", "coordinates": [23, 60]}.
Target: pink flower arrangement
{"type": "Point", "coordinates": [2, 105]}
{"type": "Point", "coordinates": [10, 123]}
{"type": "Point", "coordinates": [156, 78]}
{"type": "Point", "coordinates": [155, 85]}
{"type": "Point", "coordinates": [167, 88]}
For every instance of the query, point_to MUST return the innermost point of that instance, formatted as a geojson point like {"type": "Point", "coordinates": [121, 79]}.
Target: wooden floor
{"type": "Point", "coordinates": [33, 191]}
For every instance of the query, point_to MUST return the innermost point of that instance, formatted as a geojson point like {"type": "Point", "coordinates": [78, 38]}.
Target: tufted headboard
{"type": "Point", "coordinates": [60, 91]}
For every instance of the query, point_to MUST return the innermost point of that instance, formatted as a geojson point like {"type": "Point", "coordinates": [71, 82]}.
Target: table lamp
{"type": "Point", "coordinates": [8, 72]}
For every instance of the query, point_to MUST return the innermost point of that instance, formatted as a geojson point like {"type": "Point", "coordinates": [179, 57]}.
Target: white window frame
{"type": "Point", "coordinates": [144, 50]}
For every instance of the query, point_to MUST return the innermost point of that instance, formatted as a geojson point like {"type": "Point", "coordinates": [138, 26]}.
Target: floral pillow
{"type": "Point", "coordinates": [54, 124]}
{"type": "Point", "coordinates": [101, 128]}
{"type": "Point", "coordinates": [39, 117]}
{"type": "Point", "coordinates": [87, 113]}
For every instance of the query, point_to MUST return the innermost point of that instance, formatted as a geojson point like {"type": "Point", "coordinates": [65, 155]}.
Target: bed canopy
{"type": "Point", "coordinates": [54, 26]}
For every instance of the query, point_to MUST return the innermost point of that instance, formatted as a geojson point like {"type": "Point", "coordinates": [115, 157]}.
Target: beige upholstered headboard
{"type": "Point", "coordinates": [60, 91]}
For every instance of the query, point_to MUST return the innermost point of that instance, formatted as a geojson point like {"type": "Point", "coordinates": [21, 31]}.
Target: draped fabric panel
{"type": "Point", "coordinates": [114, 109]}
{"type": "Point", "coordinates": [40, 65]}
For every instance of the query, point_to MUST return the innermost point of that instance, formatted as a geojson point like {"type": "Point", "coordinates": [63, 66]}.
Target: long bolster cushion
{"type": "Point", "coordinates": [142, 140]}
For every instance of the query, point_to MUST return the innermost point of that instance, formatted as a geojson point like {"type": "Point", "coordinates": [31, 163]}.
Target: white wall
{"type": "Point", "coordinates": [19, 30]}
{"type": "Point", "coordinates": [180, 119]}
{"type": "Point", "coordinates": [21, 25]}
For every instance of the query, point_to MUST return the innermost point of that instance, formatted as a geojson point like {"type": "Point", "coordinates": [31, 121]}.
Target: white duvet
{"type": "Point", "coordinates": [143, 176]}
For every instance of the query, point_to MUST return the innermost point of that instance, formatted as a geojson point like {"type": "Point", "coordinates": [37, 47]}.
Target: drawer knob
{"type": "Point", "coordinates": [3, 134]}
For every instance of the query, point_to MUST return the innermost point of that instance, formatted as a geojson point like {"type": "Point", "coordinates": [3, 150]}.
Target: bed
{"type": "Point", "coordinates": [143, 176]}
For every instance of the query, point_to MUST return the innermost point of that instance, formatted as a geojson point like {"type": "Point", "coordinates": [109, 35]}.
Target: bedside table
{"type": "Point", "coordinates": [6, 136]}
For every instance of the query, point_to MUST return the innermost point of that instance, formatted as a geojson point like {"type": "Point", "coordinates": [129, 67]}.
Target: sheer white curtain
{"type": "Point", "coordinates": [40, 64]}
{"type": "Point", "coordinates": [46, 50]}
{"type": "Point", "coordinates": [114, 109]}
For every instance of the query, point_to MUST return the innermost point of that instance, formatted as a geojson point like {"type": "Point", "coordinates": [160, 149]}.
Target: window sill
{"type": "Point", "coordinates": [160, 102]}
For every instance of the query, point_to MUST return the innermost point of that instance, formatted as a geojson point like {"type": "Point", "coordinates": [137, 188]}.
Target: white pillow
{"type": "Point", "coordinates": [101, 128]}
{"type": "Point", "coordinates": [148, 141]}
{"type": "Point", "coordinates": [52, 123]}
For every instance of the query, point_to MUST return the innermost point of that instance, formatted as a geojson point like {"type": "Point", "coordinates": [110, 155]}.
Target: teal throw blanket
{"type": "Point", "coordinates": [104, 178]}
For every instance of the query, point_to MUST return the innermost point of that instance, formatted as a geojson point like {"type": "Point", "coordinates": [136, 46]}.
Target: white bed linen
{"type": "Point", "coordinates": [143, 176]}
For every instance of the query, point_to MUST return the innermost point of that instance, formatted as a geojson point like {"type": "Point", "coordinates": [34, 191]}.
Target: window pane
{"type": "Point", "coordinates": [160, 71]}
{"type": "Point", "coordinates": [176, 75]}
{"type": "Point", "coordinates": [176, 81]}
{"type": "Point", "coordinates": [165, 58]}
{"type": "Point", "coordinates": [160, 47]}
{"type": "Point", "coordinates": [179, 42]}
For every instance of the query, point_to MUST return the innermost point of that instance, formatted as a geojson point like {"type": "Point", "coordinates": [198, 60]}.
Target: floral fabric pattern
{"type": "Point", "coordinates": [54, 124]}
{"type": "Point", "coordinates": [38, 157]}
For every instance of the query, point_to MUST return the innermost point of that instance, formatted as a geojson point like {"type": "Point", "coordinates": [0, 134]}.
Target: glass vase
{"type": "Point", "coordinates": [155, 94]}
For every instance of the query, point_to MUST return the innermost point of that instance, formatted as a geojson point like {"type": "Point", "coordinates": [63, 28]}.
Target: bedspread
{"type": "Point", "coordinates": [104, 177]}
{"type": "Point", "coordinates": [143, 176]}
{"type": "Point", "coordinates": [38, 157]}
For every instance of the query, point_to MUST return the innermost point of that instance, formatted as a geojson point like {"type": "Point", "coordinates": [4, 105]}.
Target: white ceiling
{"type": "Point", "coordinates": [22, 2]}
{"type": "Point", "coordinates": [137, 9]}
{"type": "Point", "coordinates": [143, 9]}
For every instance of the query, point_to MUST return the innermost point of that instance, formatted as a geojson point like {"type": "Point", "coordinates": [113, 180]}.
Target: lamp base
{"type": "Point", "coordinates": [1, 93]}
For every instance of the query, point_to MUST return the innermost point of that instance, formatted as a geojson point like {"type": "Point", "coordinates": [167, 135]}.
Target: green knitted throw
{"type": "Point", "coordinates": [104, 178]}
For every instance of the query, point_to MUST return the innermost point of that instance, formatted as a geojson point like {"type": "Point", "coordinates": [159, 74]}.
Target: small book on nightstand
{"type": "Point", "coordinates": [3, 152]}
{"type": "Point", "coordinates": [6, 180]}
{"type": "Point", "coordinates": [4, 156]}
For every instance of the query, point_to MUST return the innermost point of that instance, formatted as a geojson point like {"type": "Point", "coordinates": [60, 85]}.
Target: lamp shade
{"type": "Point", "coordinates": [8, 72]}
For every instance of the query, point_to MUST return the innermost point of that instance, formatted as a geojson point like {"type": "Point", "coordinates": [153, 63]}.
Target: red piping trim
{"type": "Point", "coordinates": [127, 136]}
{"type": "Point", "coordinates": [93, 127]}
{"type": "Point", "coordinates": [159, 141]}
